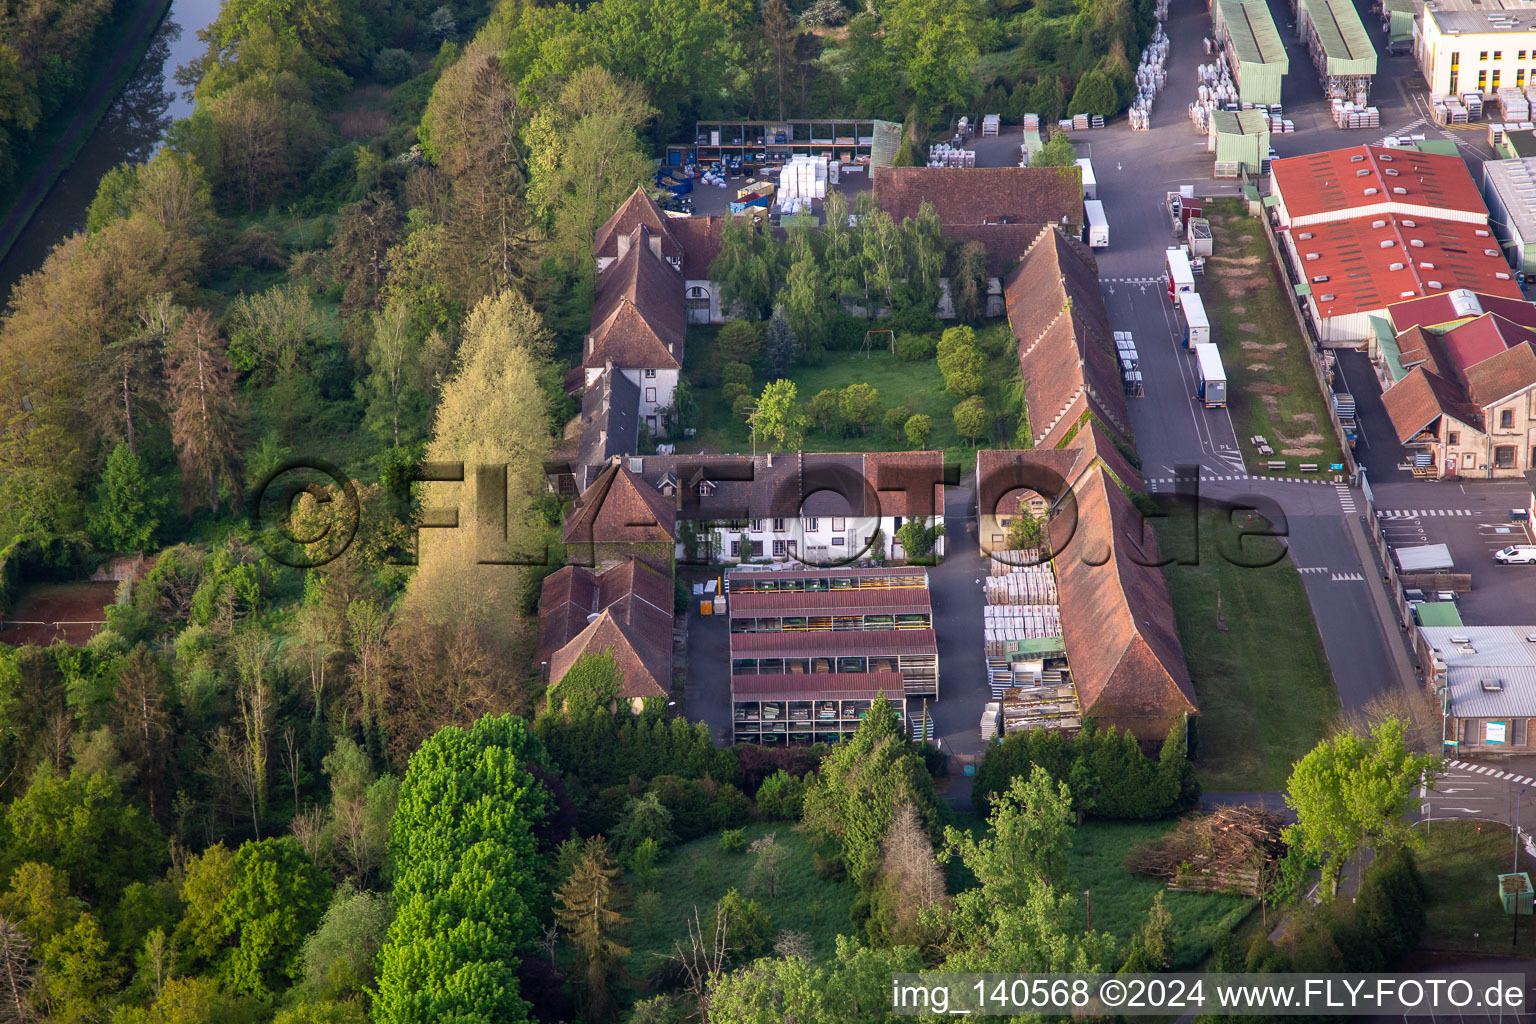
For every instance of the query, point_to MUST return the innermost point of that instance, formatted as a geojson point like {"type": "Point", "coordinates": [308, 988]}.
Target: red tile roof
{"type": "Point", "coordinates": [894, 601]}
{"type": "Point", "coordinates": [644, 656]}
{"type": "Point", "coordinates": [1369, 264]}
{"type": "Point", "coordinates": [638, 320]}
{"type": "Point", "coordinates": [632, 591]}
{"type": "Point", "coordinates": [1117, 620]}
{"type": "Point", "coordinates": [638, 209]}
{"type": "Point", "coordinates": [1065, 346]}
{"type": "Point", "coordinates": [620, 508]}
{"type": "Point", "coordinates": [1448, 307]}
{"type": "Point", "coordinates": [1325, 184]}
{"type": "Point", "coordinates": [1500, 376]}
{"type": "Point", "coordinates": [700, 241]}
{"type": "Point", "coordinates": [983, 195]}
{"type": "Point", "coordinates": [1482, 338]}
{"type": "Point", "coordinates": [818, 686]}
{"type": "Point", "coordinates": [1005, 244]}
{"type": "Point", "coordinates": [1422, 397]}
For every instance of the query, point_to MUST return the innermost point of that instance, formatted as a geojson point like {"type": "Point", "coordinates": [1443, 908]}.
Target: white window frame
{"type": "Point", "coordinates": [839, 524]}
{"type": "Point", "coordinates": [778, 525]}
{"type": "Point", "coordinates": [650, 374]}
{"type": "Point", "coordinates": [811, 522]}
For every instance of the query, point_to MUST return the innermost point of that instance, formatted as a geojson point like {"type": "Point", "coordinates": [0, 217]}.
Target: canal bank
{"type": "Point", "coordinates": [123, 117]}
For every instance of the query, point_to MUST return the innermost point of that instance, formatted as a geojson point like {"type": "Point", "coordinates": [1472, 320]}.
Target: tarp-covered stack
{"type": "Point", "coordinates": [1151, 73]}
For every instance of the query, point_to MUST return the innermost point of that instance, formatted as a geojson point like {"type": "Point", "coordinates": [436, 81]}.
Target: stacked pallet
{"type": "Point", "coordinates": [1352, 115]}
{"type": "Point", "coordinates": [1514, 104]}
{"type": "Point", "coordinates": [1019, 622]}
{"type": "Point", "coordinates": [1025, 585]}
{"type": "Point", "coordinates": [990, 124]}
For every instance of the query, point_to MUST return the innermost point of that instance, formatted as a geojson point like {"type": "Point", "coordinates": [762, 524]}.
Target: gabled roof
{"type": "Point", "coordinates": [1001, 472]}
{"type": "Point", "coordinates": [1417, 347]}
{"type": "Point", "coordinates": [1459, 304]}
{"type": "Point", "coordinates": [700, 241]}
{"type": "Point", "coordinates": [982, 195]}
{"type": "Point", "coordinates": [1325, 185]}
{"type": "Point", "coordinates": [618, 508]}
{"type": "Point", "coordinates": [610, 418]}
{"type": "Point", "coordinates": [635, 211]}
{"type": "Point", "coordinates": [634, 592]}
{"type": "Point", "coordinates": [1501, 375]}
{"type": "Point", "coordinates": [1057, 314]}
{"type": "Point", "coordinates": [638, 320]}
{"type": "Point", "coordinates": [1484, 337]}
{"type": "Point", "coordinates": [644, 657]}
{"type": "Point", "coordinates": [1006, 244]}
{"type": "Point", "coordinates": [1422, 397]}
{"type": "Point", "coordinates": [1117, 619]}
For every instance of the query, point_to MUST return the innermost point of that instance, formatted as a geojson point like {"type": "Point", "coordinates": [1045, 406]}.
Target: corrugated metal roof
{"type": "Point", "coordinates": [1344, 40]}
{"type": "Point", "coordinates": [1424, 557]}
{"type": "Point", "coordinates": [818, 686]}
{"type": "Point", "coordinates": [1516, 697]}
{"type": "Point", "coordinates": [822, 643]}
{"type": "Point", "coordinates": [1485, 646]}
{"type": "Point", "coordinates": [867, 600]}
{"type": "Point", "coordinates": [1515, 183]}
{"type": "Point", "coordinates": [1253, 32]}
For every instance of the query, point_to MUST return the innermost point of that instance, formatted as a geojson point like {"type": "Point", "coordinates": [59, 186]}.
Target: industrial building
{"type": "Point", "coordinates": [1368, 226]}
{"type": "Point", "coordinates": [1340, 48]}
{"type": "Point", "coordinates": [1485, 679]}
{"type": "Point", "coordinates": [1240, 140]}
{"type": "Point", "coordinates": [1509, 187]}
{"type": "Point", "coordinates": [758, 143]}
{"type": "Point", "coordinates": [811, 649]}
{"type": "Point", "coordinates": [1253, 48]}
{"type": "Point", "coordinates": [1477, 46]}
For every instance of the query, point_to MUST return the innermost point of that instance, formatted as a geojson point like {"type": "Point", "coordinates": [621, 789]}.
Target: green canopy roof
{"type": "Point", "coordinates": [1345, 42]}
{"type": "Point", "coordinates": [1253, 33]}
{"type": "Point", "coordinates": [1438, 613]}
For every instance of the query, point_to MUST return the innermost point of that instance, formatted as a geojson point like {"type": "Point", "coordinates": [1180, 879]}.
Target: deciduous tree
{"type": "Point", "coordinates": [779, 419]}
{"type": "Point", "coordinates": [202, 409]}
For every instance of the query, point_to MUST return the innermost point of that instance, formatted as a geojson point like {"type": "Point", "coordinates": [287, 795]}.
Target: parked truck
{"type": "Point", "coordinates": [1098, 225]}
{"type": "Point", "coordinates": [1090, 183]}
{"type": "Point", "coordinates": [1181, 277]}
{"type": "Point", "coordinates": [1213, 379]}
{"type": "Point", "coordinates": [1197, 327]}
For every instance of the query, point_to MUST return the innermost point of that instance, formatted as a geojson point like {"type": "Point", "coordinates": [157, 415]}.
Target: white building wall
{"type": "Point", "coordinates": [1507, 53]}
{"type": "Point", "coordinates": [656, 391]}
{"type": "Point", "coordinates": [813, 539]}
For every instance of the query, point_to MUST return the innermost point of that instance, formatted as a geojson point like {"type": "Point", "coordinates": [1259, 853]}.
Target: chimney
{"type": "Point", "coordinates": [770, 460]}
{"type": "Point", "coordinates": [623, 241]}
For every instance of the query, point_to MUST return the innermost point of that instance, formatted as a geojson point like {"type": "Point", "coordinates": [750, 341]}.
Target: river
{"type": "Point", "coordinates": [130, 130]}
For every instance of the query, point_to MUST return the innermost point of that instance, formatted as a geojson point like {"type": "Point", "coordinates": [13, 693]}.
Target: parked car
{"type": "Point", "coordinates": [1516, 554]}
{"type": "Point", "coordinates": [1414, 596]}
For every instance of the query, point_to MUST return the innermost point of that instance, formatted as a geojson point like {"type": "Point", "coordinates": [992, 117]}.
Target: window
{"type": "Point", "coordinates": [778, 549]}
{"type": "Point", "coordinates": [735, 549]}
{"type": "Point", "coordinates": [839, 525]}
{"type": "Point", "coordinates": [1482, 81]}
{"type": "Point", "coordinates": [1506, 419]}
{"type": "Point", "coordinates": [1504, 457]}
{"type": "Point", "coordinates": [1453, 437]}
{"type": "Point", "coordinates": [756, 526]}
{"type": "Point", "coordinates": [650, 395]}
{"type": "Point", "coordinates": [1498, 54]}
{"type": "Point", "coordinates": [1532, 463]}
{"type": "Point", "coordinates": [650, 374]}
{"type": "Point", "coordinates": [1495, 85]}
{"type": "Point", "coordinates": [810, 524]}
{"type": "Point", "coordinates": [757, 549]}
{"type": "Point", "coordinates": [1468, 460]}
{"type": "Point", "coordinates": [778, 526]}
{"type": "Point", "coordinates": [1483, 55]}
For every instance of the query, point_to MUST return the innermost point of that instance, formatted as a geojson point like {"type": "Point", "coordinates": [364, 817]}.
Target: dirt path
{"type": "Point", "coordinates": [89, 112]}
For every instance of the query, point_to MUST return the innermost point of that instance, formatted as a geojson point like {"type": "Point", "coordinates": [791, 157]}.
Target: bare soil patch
{"type": "Point", "coordinates": [1249, 328]}
{"type": "Point", "coordinates": [1265, 387]}
{"type": "Point", "coordinates": [60, 608]}
{"type": "Point", "coordinates": [1259, 346]}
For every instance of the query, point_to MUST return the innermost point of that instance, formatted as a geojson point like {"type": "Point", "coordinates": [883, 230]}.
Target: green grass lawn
{"type": "Point", "coordinates": [697, 874]}
{"type": "Point", "coordinates": [1260, 709]}
{"type": "Point", "coordinates": [1119, 899]}
{"type": "Point", "coordinates": [1271, 390]}
{"type": "Point", "coordinates": [1459, 866]}
{"type": "Point", "coordinates": [918, 386]}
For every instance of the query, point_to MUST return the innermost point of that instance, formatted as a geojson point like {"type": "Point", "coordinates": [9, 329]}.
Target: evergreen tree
{"type": "Point", "coordinates": [588, 910]}
{"type": "Point", "coordinates": [127, 510]}
{"type": "Point", "coordinates": [779, 348]}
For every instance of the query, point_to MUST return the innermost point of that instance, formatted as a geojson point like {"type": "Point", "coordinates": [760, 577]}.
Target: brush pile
{"type": "Point", "coordinates": [1232, 849]}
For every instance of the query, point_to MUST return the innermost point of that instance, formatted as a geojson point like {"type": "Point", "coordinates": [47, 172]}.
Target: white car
{"type": "Point", "coordinates": [1516, 554]}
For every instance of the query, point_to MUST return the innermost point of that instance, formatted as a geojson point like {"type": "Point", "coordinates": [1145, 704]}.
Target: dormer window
{"type": "Point", "coordinates": [667, 484]}
{"type": "Point", "coordinates": [706, 488]}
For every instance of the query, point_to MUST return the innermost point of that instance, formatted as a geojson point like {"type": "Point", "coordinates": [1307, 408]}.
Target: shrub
{"type": "Point", "coordinates": [971, 419]}
{"type": "Point", "coordinates": [781, 797]}
{"type": "Point", "coordinates": [393, 65]}
{"type": "Point", "coordinates": [733, 840]}
{"type": "Point", "coordinates": [917, 318]}
{"type": "Point", "coordinates": [894, 419]}
{"type": "Point", "coordinates": [915, 348]}
{"type": "Point", "coordinates": [737, 373]}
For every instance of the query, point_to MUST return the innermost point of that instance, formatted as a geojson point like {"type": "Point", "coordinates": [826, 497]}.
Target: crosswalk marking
{"type": "Point", "coordinates": [1346, 497]}
{"type": "Point", "coordinates": [1132, 280]}
{"type": "Point", "coordinates": [1419, 513]}
{"type": "Point", "coordinates": [1492, 773]}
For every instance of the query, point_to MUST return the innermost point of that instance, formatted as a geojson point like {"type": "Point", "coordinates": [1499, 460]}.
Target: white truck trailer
{"type": "Point", "coordinates": [1197, 327]}
{"type": "Point", "coordinates": [1181, 277]}
{"type": "Point", "coordinates": [1098, 224]}
{"type": "Point", "coordinates": [1090, 183]}
{"type": "Point", "coordinates": [1213, 378]}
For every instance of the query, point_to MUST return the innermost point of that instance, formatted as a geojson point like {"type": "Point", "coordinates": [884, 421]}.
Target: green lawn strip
{"type": "Point", "coordinates": [1119, 899]}
{"type": "Point", "coordinates": [1460, 869]}
{"type": "Point", "coordinates": [41, 149]}
{"type": "Point", "coordinates": [697, 874]}
{"type": "Point", "coordinates": [1265, 689]}
{"type": "Point", "coordinates": [917, 386]}
{"type": "Point", "coordinates": [1271, 392]}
